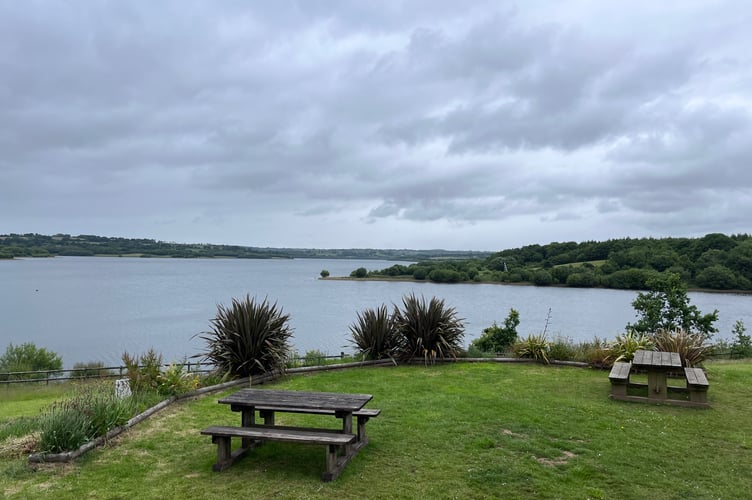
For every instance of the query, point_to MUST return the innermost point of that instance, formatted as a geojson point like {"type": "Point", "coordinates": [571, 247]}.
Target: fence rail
{"type": "Point", "coordinates": [48, 376]}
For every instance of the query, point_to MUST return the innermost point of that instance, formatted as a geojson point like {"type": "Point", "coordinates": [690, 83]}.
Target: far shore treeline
{"type": "Point", "coordinates": [39, 245]}
{"type": "Point", "coordinates": [713, 262]}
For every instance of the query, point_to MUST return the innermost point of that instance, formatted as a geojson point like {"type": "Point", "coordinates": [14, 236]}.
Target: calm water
{"type": "Point", "coordinates": [89, 309]}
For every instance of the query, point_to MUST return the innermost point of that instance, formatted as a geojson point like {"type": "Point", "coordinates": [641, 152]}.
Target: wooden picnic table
{"type": "Point", "coordinates": [657, 364]}
{"type": "Point", "coordinates": [342, 445]}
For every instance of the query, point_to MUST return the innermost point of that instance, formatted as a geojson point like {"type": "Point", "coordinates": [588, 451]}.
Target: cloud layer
{"type": "Point", "coordinates": [386, 124]}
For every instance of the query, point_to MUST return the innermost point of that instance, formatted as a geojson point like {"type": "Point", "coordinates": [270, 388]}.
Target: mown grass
{"type": "Point", "coordinates": [461, 430]}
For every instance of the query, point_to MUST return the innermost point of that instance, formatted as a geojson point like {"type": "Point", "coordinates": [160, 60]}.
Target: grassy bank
{"type": "Point", "coordinates": [460, 430]}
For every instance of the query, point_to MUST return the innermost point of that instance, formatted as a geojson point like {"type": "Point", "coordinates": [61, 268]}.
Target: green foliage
{"type": "Point", "coordinates": [314, 357]}
{"type": "Point", "coordinates": [497, 338]}
{"type": "Point", "coordinates": [691, 346]}
{"type": "Point", "coordinates": [596, 353]}
{"type": "Point", "coordinates": [90, 369]}
{"type": "Point", "coordinates": [741, 347]}
{"type": "Point", "coordinates": [563, 349]}
{"type": "Point", "coordinates": [428, 330]}
{"type": "Point", "coordinates": [324, 273]}
{"type": "Point", "coordinates": [92, 411]}
{"type": "Point", "coordinates": [374, 333]}
{"type": "Point", "coordinates": [625, 345]}
{"type": "Point", "coordinates": [248, 338]}
{"type": "Point", "coordinates": [143, 371]}
{"type": "Point", "coordinates": [360, 272]}
{"type": "Point", "coordinates": [29, 357]}
{"type": "Point", "coordinates": [666, 307]}
{"type": "Point", "coordinates": [534, 346]}
{"type": "Point", "coordinates": [176, 380]}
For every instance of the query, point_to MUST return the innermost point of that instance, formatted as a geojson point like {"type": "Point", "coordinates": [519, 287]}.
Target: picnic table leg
{"type": "Point", "coordinates": [347, 429]}
{"type": "Point", "coordinates": [268, 416]}
{"type": "Point", "coordinates": [247, 419]}
{"type": "Point", "coordinates": [657, 385]}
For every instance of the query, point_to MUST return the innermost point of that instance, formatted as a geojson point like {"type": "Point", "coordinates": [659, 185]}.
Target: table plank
{"type": "Point", "coordinates": [333, 401]}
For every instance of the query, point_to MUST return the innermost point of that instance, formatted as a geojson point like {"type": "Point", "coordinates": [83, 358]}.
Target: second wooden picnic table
{"type": "Point", "coordinates": [657, 364]}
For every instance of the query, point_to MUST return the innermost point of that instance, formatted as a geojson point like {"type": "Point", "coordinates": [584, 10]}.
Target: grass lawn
{"type": "Point", "coordinates": [461, 430]}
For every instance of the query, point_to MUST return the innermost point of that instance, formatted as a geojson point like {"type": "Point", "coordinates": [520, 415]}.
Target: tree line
{"type": "Point", "coordinates": [716, 262]}
{"type": "Point", "coordinates": [38, 245]}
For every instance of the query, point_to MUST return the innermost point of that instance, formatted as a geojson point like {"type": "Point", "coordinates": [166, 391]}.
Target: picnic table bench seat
{"type": "Point", "coordinates": [334, 441]}
{"type": "Point", "coordinates": [697, 384]}
{"type": "Point", "coordinates": [362, 415]}
{"type": "Point", "coordinates": [619, 378]}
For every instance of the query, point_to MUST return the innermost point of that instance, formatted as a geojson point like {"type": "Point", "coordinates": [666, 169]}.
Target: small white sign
{"type": "Point", "coordinates": [122, 388]}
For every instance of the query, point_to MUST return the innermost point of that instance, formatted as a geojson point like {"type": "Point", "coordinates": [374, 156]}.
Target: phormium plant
{"type": "Point", "coordinates": [691, 346]}
{"type": "Point", "coordinates": [248, 338]}
{"type": "Point", "coordinates": [374, 333]}
{"type": "Point", "coordinates": [625, 345]}
{"type": "Point", "coordinates": [428, 330]}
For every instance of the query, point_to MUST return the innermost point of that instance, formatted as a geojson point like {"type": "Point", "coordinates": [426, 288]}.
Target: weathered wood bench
{"type": "Point", "coordinates": [619, 378]}
{"type": "Point", "coordinates": [697, 385]}
{"type": "Point", "coordinates": [334, 441]}
{"type": "Point", "coordinates": [362, 415]}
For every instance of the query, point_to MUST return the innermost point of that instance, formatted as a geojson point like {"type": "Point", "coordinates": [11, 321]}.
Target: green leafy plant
{"type": "Point", "coordinates": [625, 345]}
{"type": "Point", "coordinates": [248, 338]}
{"type": "Point", "coordinates": [428, 330]}
{"type": "Point", "coordinates": [563, 349]}
{"type": "Point", "coordinates": [143, 371]}
{"type": "Point", "coordinates": [374, 333]}
{"type": "Point", "coordinates": [314, 357]}
{"type": "Point", "coordinates": [534, 346]}
{"type": "Point", "coordinates": [497, 338]}
{"type": "Point", "coordinates": [29, 357]}
{"type": "Point", "coordinates": [666, 307]}
{"type": "Point", "coordinates": [690, 346]}
{"type": "Point", "coordinates": [597, 353]}
{"type": "Point", "coordinates": [64, 427]}
{"type": "Point", "coordinates": [741, 347]}
{"type": "Point", "coordinates": [176, 380]}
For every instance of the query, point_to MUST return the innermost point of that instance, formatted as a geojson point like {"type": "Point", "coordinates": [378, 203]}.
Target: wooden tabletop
{"type": "Point", "coordinates": [656, 359]}
{"type": "Point", "coordinates": [333, 401]}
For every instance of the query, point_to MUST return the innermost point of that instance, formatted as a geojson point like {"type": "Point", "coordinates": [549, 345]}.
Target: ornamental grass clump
{"type": "Point", "coordinates": [428, 330]}
{"type": "Point", "coordinates": [374, 333]}
{"type": "Point", "coordinates": [690, 346]}
{"type": "Point", "coordinates": [248, 338]}
{"type": "Point", "coordinates": [535, 346]}
{"type": "Point", "coordinates": [625, 345]}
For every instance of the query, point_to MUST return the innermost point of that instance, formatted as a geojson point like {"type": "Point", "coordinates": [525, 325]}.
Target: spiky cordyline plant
{"type": "Point", "coordinates": [429, 331]}
{"type": "Point", "coordinates": [248, 338]}
{"type": "Point", "coordinates": [374, 333]}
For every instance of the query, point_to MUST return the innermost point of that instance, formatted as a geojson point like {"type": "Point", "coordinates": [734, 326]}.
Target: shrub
{"type": "Point", "coordinates": [497, 338]}
{"type": "Point", "coordinates": [741, 347]}
{"type": "Point", "coordinates": [430, 330]}
{"type": "Point", "coordinates": [29, 357]}
{"type": "Point", "coordinates": [324, 273]}
{"type": "Point", "coordinates": [314, 358]}
{"type": "Point", "coordinates": [91, 369]}
{"type": "Point", "coordinates": [374, 333]}
{"type": "Point", "coordinates": [625, 345]}
{"type": "Point", "coordinates": [597, 353]}
{"type": "Point", "coordinates": [175, 380]}
{"type": "Point", "coordinates": [143, 371]}
{"type": "Point", "coordinates": [92, 411]}
{"type": "Point", "coordinates": [534, 346]}
{"type": "Point", "coordinates": [690, 346]}
{"type": "Point", "coordinates": [360, 272]}
{"type": "Point", "coordinates": [562, 349]}
{"type": "Point", "coordinates": [248, 338]}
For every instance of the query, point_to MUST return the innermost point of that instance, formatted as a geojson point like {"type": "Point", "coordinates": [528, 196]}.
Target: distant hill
{"type": "Point", "coordinates": [713, 262]}
{"type": "Point", "coordinates": [38, 245]}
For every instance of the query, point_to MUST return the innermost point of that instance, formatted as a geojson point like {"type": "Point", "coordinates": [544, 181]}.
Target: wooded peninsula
{"type": "Point", "coordinates": [713, 262]}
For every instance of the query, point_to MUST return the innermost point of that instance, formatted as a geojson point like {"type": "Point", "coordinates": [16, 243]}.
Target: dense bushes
{"type": "Point", "coordinates": [29, 357]}
{"type": "Point", "coordinates": [497, 339]}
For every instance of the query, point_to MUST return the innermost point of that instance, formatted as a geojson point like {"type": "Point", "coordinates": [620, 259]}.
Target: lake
{"type": "Point", "coordinates": [96, 308]}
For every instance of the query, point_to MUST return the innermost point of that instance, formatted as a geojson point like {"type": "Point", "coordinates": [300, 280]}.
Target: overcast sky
{"type": "Point", "coordinates": [385, 124]}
